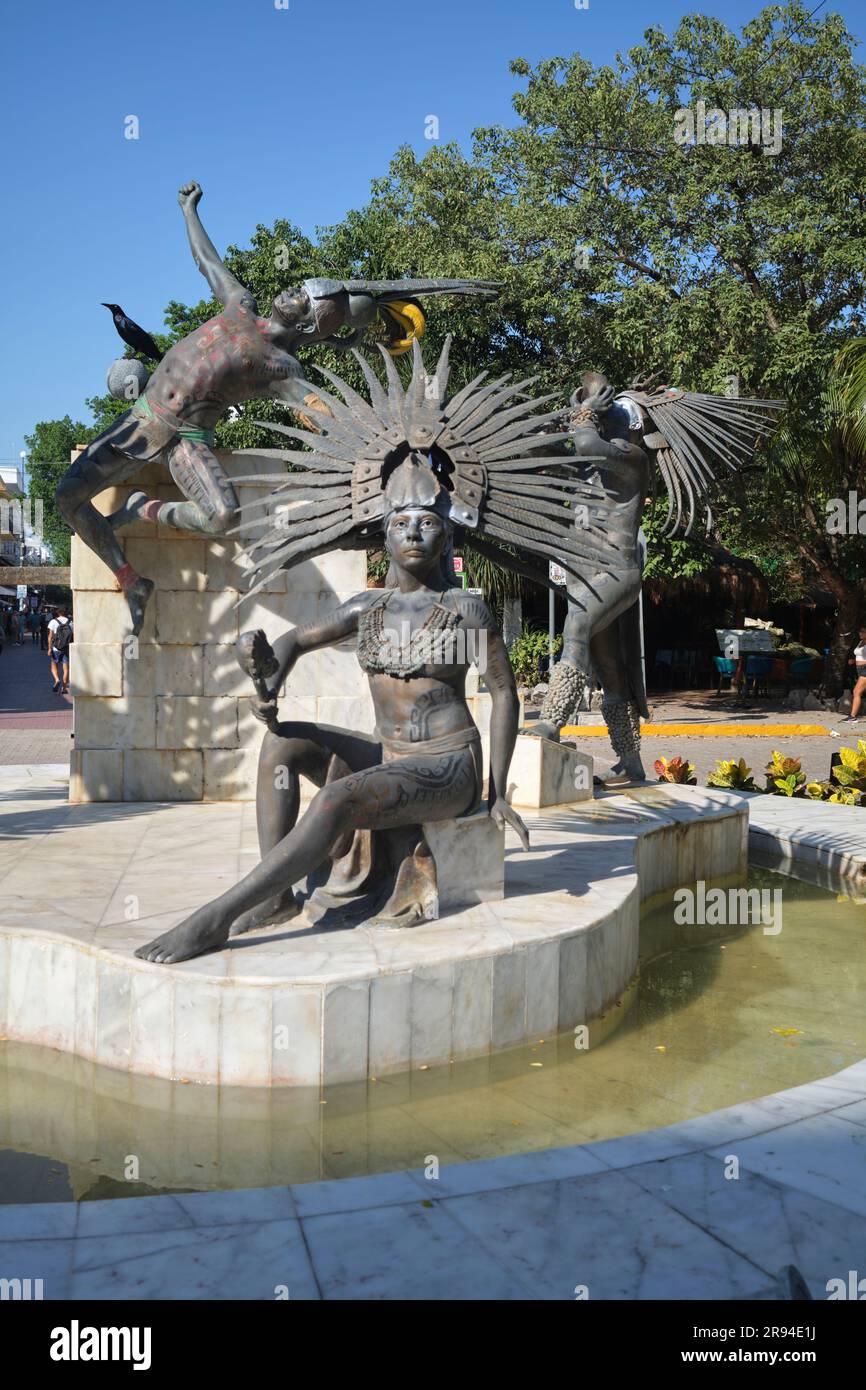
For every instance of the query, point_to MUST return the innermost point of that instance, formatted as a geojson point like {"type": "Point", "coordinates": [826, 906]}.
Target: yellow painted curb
{"type": "Point", "coordinates": [703, 730]}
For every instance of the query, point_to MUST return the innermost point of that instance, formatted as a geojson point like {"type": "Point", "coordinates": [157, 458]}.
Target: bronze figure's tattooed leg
{"type": "Point", "coordinates": [402, 792]}
{"type": "Point", "coordinates": [97, 468]}
{"type": "Point", "coordinates": [563, 698]}
{"type": "Point", "coordinates": [314, 751]}
{"type": "Point", "coordinates": [623, 725]}
{"type": "Point", "coordinates": [212, 502]}
{"type": "Point", "coordinates": [619, 708]}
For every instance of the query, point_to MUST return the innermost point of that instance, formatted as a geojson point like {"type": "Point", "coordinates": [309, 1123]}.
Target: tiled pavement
{"type": "Point", "coordinates": [35, 724]}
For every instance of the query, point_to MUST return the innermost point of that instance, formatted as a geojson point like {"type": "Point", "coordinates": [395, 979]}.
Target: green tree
{"type": "Point", "coordinates": [809, 472]}
{"type": "Point", "coordinates": [49, 448]}
{"type": "Point", "coordinates": [620, 249]}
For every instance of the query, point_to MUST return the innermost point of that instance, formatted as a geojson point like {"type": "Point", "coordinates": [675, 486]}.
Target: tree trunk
{"type": "Point", "coordinates": [837, 673]}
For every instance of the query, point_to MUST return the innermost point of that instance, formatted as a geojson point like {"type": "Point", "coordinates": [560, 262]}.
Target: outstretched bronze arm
{"type": "Point", "coordinates": [204, 253]}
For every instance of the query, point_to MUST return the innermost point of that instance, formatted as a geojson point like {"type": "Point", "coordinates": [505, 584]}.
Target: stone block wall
{"type": "Point", "coordinates": [166, 718]}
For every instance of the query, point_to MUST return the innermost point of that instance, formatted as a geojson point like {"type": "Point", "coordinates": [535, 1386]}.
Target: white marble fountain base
{"type": "Point", "coordinates": [81, 886]}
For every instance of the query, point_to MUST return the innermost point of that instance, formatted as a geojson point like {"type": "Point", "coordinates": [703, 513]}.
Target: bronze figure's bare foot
{"type": "Point", "coordinates": [138, 596]}
{"type": "Point", "coordinates": [542, 729]}
{"type": "Point", "coordinates": [621, 775]}
{"type": "Point", "coordinates": [199, 933]}
{"type": "Point", "coordinates": [268, 914]}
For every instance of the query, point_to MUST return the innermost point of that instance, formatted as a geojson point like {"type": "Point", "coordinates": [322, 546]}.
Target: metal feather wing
{"type": "Point", "coordinates": [692, 434]}
{"type": "Point", "coordinates": [386, 290]}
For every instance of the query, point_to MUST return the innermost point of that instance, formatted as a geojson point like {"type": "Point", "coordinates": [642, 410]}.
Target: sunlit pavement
{"type": "Point", "coordinates": [35, 723]}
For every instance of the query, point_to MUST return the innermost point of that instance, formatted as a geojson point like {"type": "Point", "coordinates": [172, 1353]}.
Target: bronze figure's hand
{"type": "Point", "coordinates": [502, 814]}
{"type": "Point", "coordinates": [600, 400]}
{"type": "Point", "coordinates": [265, 710]}
{"type": "Point", "coordinates": [189, 196]}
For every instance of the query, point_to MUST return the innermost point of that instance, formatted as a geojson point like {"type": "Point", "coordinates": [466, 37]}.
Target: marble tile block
{"type": "Point", "coordinates": [347, 712]}
{"type": "Point", "coordinates": [95, 776]}
{"type": "Point", "coordinates": [87, 571]}
{"type": "Point", "coordinates": [113, 1021]}
{"type": "Point", "coordinates": [246, 1037]}
{"type": "Point", "coordinates": [473, 1007]}
{"type": "Point", "coordinates": [340, 572]}
{"type": "Point", "coordinates": [103, 723]}
{"type": "Point", "coordinates": [102, 616]}
{"type": "Point", "coordinates": [156, 669]}
{"type": "Point", "coordinates": [390, 1023]}
{"type": "Point", "coordinates": [222, 674]}
{"type": "Point", "coordinates": [572, 981]}
{"type": "Point", "coordinates": [196, 721]}
{"type": "Point", "coordinates": [196, 1032]}
{"type": "Point", "coordinates": [192, 618]}
{"type": "Point", "coordinates": [296, 1037]}
{"type": "Point", "coordinates": [225, 567]}
{"type": "Point", "coordinates": [543, 773]}
{"type": "Point", "coordinates": [171, 564]}
{"type": "Point", "coordinates": [345, 1032]}
{"type": "Point", "coordinates": [161, 775]}
{"type": "Point", "coordinates": [509, 999]}
{"type": "Point", "coordinates": [230, 773]}
{"type": "Point", "coordinates": [470, 860]}
{"type": "Point", "coordinates": [97, 669]}
{"type": "Point", "coordinates": [542, 989]}
{"type": "Point", "coordinates": [432, 1006]}
{"type": "Point", "coordinates": [151, 1007]}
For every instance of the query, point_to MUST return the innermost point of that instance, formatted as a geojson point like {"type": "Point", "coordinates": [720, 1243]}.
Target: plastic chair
{"type": "Point", "coordinates": [758, 669]}
{"type": "Point", "coordinates": [800, 671]}
{"type": "Point", "coordinates": [726, 669]}
{"type": "Point", "coordinates": [663, 661]}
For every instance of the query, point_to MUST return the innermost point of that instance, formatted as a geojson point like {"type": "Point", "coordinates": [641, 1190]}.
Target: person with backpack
{"type": "Point", "coordinates": [59, 638]}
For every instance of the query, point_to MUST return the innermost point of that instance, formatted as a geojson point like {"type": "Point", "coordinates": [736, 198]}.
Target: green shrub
{"type": "Point", "coordinates": [526, 653]}
{"type": "Point", "coordinates": [733, 775]}
{"type": "Point", "coordinates": [784, 776]}
{"type": "Point", "coordinates": [675, 770]}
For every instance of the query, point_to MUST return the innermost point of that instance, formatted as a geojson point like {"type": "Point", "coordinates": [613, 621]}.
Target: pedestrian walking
{"type": "Point", "coordinates": [59, 638]}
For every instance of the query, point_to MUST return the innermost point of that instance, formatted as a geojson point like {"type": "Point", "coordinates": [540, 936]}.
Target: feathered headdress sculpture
{"type": "Point", "coordinates": [688, 433]}
{"type": "Point", "coordinates": [477, 449]}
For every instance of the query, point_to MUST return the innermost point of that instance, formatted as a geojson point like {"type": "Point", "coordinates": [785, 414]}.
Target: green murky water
{"type": "Point", "coordinates": [719, 1015]}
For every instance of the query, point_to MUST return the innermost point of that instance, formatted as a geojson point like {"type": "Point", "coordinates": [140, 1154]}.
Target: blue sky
{"type": "Point", "coordinates": [276, 113]}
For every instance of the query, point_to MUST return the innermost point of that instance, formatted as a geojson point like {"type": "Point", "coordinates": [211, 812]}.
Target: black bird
{"type": "Point", "coordinates": [136, 337]}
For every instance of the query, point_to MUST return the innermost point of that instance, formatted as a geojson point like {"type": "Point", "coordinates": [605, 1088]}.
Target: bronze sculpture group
{"type": "Point", "coordinates": [419, 468]}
